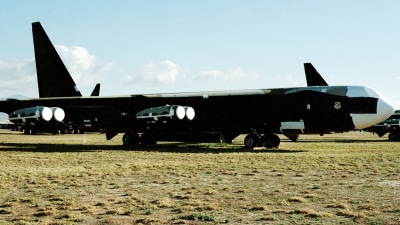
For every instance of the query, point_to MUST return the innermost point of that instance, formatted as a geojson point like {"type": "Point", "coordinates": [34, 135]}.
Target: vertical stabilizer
{"type": "Point", "coordinates": [313, 77]}
{"type": "Point", "coordinates": [96, 90]}
{"type": "Point", "coordinates": [53, 77]}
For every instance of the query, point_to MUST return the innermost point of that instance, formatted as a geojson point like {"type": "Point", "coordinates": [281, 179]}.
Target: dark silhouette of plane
{"type": "Point", "coordinates": [262, 113]}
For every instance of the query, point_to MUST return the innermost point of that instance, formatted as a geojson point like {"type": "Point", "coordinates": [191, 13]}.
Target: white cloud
{"type": "Point", "coordinates": [238, 76]}
{"type": "Point", "coordinates": [168, 72]}
{"type": "Point", "coordinates": [164, 72]}
{"type": "Point", "coordinates": [210, 76]}
{"type": "Point", "coordinates": [81, 65]}
{"type": "Point", "coordinates": [18, 76]}
{"type": "Point", "coordinates": [294, 81]}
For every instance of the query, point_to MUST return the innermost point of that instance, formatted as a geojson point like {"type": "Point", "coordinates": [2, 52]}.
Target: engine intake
{"type": "Point", "coordinates": [189, 112]}
{"type": "Point", "coordinates": [58, 114]}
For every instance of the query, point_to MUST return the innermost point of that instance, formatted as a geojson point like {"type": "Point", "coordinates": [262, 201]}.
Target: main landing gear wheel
{"type": "Point", "coordinates": [130, 138]}
{"type": "Point", "coordinates": [393, 137]}
{"type": "Point", "coordinates": [147, 139]}
{"type": "Point", "coordinates": [273, 142]}
{"type": "Point", "coordinates": [268, 141]}
{"type": "Point", "coordinates": [251, 141]}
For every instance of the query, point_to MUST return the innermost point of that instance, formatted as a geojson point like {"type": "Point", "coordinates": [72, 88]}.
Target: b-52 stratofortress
{"type": "Point", "coordinates": [262, 113]}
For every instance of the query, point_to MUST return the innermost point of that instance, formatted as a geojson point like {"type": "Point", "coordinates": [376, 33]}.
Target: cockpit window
{"type": "Point", "coordinates": [361, 92]}
{"type": "Point", "coordinates": [350, 91]}
{"type": "Point", "coordinates": [372, 92]}
{"type": "Point", "coordinates": [340, 90]}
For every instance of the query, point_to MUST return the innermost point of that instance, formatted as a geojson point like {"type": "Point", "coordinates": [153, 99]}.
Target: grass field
{"type": "Point", "coordinates": [351, 178]}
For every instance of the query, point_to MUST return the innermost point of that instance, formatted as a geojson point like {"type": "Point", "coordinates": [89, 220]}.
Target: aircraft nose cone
{"type": "Point", "coordinates": [384, 109]}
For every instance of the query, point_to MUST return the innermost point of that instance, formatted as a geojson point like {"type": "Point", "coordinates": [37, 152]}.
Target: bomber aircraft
{"type": "Point", "coordinates": [262, 113]}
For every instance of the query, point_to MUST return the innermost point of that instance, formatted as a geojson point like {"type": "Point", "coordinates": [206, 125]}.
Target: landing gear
{"type": "Point", "coordinates": [147, 139]}
{"type": "Point", "coordinates": [393, 137]}
{"type": "Point", "coordinates": [268, 140]}
{"type": "Point", "coordinates": [29, 130]}
{"type": "Point", "coordinates": [251, 141]}
{"type": "Point", "coordinates": [271, 140]}
{"type": "Point", "coordinates": [130, 138]}
{"type": "Point", "coordinates": [380, 134]}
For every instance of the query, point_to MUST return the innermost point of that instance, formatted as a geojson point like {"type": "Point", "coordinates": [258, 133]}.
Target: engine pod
{"type": "Point", "coordinates": [162, 113]}
{"type": "Point", "coordinates": [189, 112]}
{"type": "Point", "coordinates": [33, 114]}
{"type": "Point", "coordinates": [58, 114]}
{"type": "Point", "coordinates": [180, 112]}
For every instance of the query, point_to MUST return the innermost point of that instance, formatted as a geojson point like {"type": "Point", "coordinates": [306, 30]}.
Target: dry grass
{"type": "Point", "coordinates": [348, 178]}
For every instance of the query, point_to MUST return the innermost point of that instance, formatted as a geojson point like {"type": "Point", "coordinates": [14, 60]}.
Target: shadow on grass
{"type": "Point", "coordinates": [163, 147]}
{"type": "Point", "coordinates": [340, 141]}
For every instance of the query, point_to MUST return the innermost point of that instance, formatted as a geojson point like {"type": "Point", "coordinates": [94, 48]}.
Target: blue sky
{"type": "Point", "coordinates": [135, 47]}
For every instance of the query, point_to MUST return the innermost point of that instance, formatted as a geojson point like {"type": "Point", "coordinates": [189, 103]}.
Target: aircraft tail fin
{"type": "Point", "coordinates": [313, 77]}
{"type": "Point", "coordinates": [96, 90]}
{"type": "Point", "coordinates": [53, 77]}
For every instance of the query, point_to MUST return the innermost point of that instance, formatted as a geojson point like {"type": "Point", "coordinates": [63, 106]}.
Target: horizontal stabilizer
{"type": "Point", "coordinates": [313, 77]}
{"type": "Point", "coordinates": [53, 77]}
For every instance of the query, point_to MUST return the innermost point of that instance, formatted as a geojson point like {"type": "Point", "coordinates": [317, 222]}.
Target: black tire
{"type": "Point", "coordinates": [251, 141]}
{"type": "Point", "coordinates": [266, 140]}
{"type": "Point", "coordinates": [271, 140]}
{"type": "Point", "coordinates": [153, 139]}
{"type": "Point", "coordinates": [275, 140]}
{"type": "Point", "coordinates": [392, 137]}
{"type": "Point", "coordinates": [147, 139]}
{"type": "Point", "coordinates": [261, 143]}
{"type": "Point", "coordinates": [130, 139]}
{"type": "Point", "coordinates": [144, 139]}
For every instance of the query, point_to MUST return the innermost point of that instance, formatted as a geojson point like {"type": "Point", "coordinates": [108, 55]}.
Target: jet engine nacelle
{"type": "Point", "coordinates": [164, 113]}
{"type": "Point", "coordinates": [37, 114]}
{"type": "Point", "coordinates": [58, 114]}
